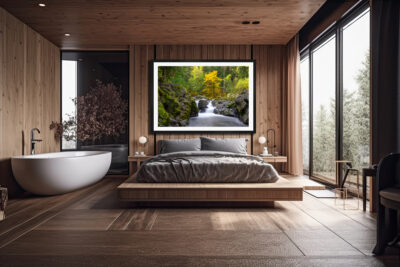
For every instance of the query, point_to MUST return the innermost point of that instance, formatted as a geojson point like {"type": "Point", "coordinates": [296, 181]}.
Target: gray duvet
{"type": "Point", "coordinates": [206, 167]}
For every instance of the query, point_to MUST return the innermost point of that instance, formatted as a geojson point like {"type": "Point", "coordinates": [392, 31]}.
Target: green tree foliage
{"type": "Point", "coordinates": [241, 85]}
{"type": "Point", "coordinates": [324, 140]}
{"type": "Point", "coordinates": [212, 85]}
{"type": "Point", "coordinates": [229, 84]}
{"type": "Point", "coordinates": [232, 80]}
{"type": "Point", "coordinates": [196, 80]}
{"type": "Point", "coordinates": [175, 75]}
{"type": "Point", "coordinates": [305, 136]}
{"type": "Point", "coordinates": [356, 124]}
{"type": "Point", "coordinates": [243, 73]}
{"type": "Point", "coordinates": [356, 127]}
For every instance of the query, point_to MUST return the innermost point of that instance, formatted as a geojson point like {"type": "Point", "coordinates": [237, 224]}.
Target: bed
{"type": "Point", "coordinates": [203, 171]}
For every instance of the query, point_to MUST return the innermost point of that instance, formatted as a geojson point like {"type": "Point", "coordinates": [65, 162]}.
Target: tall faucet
{"type": "Point", "coordinates": [33, 140]}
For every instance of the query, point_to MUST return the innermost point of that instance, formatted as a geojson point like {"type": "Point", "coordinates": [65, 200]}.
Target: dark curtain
{"type": "Point", "coordinates": [385, 78]}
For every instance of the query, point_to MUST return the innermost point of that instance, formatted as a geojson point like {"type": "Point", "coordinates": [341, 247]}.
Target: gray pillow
{"type": "Point", "coordinates": [234, 145]}
{"type": "Point", "coordinates": [168, 146]}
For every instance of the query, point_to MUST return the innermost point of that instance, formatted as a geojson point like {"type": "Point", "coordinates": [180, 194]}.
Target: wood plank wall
{"type": "Point", "coordinates": [29, 92]}
{"type": "Point", "coordinates": [270, 88]}
{"type": "Point", "coordinates": [270, 100]}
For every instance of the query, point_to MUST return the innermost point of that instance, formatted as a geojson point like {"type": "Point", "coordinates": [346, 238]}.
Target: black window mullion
{"type": "Point", "coordinates": [339, 100]}
{"type": "Point", "coordinates": [310, 115]}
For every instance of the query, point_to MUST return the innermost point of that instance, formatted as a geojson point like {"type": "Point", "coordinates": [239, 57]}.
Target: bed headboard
{"type": "Point", "coordinates": [189, 136]}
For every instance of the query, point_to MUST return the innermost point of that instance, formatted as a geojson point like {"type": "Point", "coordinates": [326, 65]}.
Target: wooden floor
{"type": "Point", "coordinates": [91, 228]}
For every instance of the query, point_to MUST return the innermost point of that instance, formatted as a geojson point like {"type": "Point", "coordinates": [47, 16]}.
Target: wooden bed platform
{"type": "Point", "coordinates": [283, 190]}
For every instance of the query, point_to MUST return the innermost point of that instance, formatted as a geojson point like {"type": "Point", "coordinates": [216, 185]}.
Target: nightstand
{"type": "Point", "coordinates": [139, 159]}
{"type": "Point", "coordinates": [274, 159]}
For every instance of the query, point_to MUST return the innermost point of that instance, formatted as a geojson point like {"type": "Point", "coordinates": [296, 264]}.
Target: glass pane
{"type": "Point", "coordinates": [356, 90]}
{"type": "Point", "coordinates": [305, 110]}
{"type": "Point", "coordinates": [95, 103]}
{"type": "Point", "coordinates": [69, 82]}
{"type": "Point", "coordinates": [324, 83]}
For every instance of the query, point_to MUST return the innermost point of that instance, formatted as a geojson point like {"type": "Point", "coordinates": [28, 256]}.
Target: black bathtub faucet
{"type": "Point", "coordinates": [33, 140]}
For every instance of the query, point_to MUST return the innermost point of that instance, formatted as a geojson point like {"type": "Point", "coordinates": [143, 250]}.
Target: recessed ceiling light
{"type": "Point", "coordinates": [67, 34]}
{"type": "Point", "coordinates": [42, 4]}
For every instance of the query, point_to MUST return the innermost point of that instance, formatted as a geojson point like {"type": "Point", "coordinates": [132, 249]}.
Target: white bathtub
{"type": "Point", "coordinates": [61, 172]}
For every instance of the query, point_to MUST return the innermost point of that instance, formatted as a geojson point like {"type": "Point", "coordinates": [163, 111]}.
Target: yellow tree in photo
{"type": "Point", "coordinates": [212, 85]}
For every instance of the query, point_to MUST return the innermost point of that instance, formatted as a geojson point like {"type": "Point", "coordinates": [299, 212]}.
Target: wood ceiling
{"type": "Point", "coordinates": [118, 23]}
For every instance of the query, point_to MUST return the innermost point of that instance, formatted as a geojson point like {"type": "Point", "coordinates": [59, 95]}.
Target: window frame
{"type": "Point", "coordinates": [61, 91]}
{"type": "Point", "coordinates": [302, 57]}
{"type": "Point", "coordinates": [61, 106]}
{"type": "Point", "coordinates": [335, 30]}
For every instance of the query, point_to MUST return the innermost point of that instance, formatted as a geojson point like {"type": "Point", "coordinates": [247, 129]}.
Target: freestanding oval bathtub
{"type": "Point", "coordinates": [61, 172]}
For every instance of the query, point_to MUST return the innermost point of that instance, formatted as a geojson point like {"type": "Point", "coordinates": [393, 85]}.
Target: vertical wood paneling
{"type": "Point", "coordinates": [284, 107]}
{"type": "Point", "coordinates": [29, 92]}
{"type": "Point", "coordinates": [13, 90]}
{"type": "Point", "coordinates": [274, 91]}
{"type": "Point", "coordinates": [139, 111]}
{"type": "Point", "coordinates": [270, 85]}
{"type": "Point", "coordinates": [50, 90]}
{"type": "Point", "coordinates": [260, 55]}
{"type": "Point", "coordinates": [33, 87]}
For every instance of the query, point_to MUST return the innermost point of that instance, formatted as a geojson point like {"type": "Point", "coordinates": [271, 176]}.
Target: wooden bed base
{"type": "Point", "coordinates": [283, 190]}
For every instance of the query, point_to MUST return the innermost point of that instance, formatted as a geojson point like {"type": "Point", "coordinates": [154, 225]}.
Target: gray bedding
{"type": "Point", "coordinates": [206, 167]}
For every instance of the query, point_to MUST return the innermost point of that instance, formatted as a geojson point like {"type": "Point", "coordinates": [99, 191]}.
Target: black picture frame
{"type": "Point", "coordinates": [250, 130]}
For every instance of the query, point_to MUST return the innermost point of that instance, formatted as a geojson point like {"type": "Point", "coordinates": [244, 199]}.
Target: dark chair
{"type": "Point", "coordinates": [348, 167]}
{"type": "Point", "coordinates": [388, 190]}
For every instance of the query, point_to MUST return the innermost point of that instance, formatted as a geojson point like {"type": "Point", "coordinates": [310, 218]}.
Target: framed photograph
{"type": "Point", "coordinates": [203, 96]}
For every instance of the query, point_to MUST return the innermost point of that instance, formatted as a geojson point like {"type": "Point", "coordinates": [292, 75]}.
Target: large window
{"type": "Point", "coordinates": [69, 90]}
{"type": "Point", "coordinates": [305, 107]}
{"type": "Point", "coordinates": [95, 96]}
{"type": "Point", "coordinates": [356, 89]}
{"type": "Point", "coordinates": [324, 109]}
{"type": "Point", "coordinates": [338, 128]}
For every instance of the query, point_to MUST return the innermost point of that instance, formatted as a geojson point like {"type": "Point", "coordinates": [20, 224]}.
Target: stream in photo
{"type": "Point", "coordinates": [209, 119]}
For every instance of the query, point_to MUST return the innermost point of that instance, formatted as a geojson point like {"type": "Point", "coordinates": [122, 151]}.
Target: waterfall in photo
{"type": "Point", "coordinates": [209, 110]}
{"type": "Point", "coordinates": [208, 118]}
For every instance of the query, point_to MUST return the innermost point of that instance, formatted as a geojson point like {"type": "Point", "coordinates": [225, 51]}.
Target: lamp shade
{"type": "Point", "coordinates": [142, 140]}
{"type": "Point", "coordinates": [262, 140]}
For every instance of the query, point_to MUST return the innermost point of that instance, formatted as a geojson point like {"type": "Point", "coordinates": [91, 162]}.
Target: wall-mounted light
{"type": "Point", "coordinates": [42, 4]}
{"type": "Point", "coordinates": [67, 34]}
{"type": "Point", "coordinates": [142, 140]}
{"type": "Point", "coordinates": [262, 140]}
